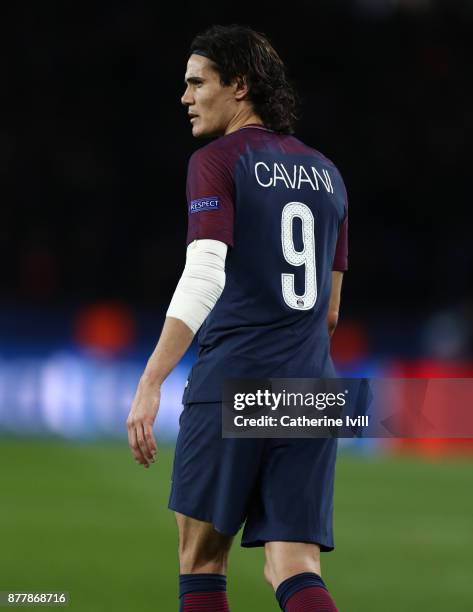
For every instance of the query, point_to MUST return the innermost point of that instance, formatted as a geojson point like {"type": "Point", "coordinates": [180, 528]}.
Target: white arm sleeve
{"type": "Point", "coordinates": [201, 283]}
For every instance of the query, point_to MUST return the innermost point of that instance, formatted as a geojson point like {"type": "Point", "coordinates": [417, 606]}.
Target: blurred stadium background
{"type": "Point", "coordinates": [94, 148]}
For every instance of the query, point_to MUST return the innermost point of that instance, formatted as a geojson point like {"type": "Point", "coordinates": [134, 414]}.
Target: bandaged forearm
{"type": "Point", "coordinates": [201, 283]}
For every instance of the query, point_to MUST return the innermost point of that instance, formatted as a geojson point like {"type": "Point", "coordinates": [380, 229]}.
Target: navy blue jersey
{"type": "Point", "coordinates": [281, 206]}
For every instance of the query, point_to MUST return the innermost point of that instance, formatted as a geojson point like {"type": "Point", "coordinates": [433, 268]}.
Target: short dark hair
{"type": "Point", "coordinates": [237, 52]}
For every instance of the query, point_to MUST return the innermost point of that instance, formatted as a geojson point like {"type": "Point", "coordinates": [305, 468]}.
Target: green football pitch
{"type": "Point", "coordinates": [84, 518]}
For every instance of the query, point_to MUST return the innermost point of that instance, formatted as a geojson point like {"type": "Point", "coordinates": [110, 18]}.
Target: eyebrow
{"type": "Point", "coordinates": [193, 80]}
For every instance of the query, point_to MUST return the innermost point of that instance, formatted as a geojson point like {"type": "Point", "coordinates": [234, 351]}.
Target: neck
{"type": "Point", "coordinates": [239, 121]}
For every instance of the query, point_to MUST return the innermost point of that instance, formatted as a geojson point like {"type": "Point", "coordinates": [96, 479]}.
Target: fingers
{"type": "Point", "coordinates": [140, 425]}
{"type": "Point", "coordinates": [142, 443]}
{"type": "Point", "coordinates": [146, 442]}
{"type": "Point", "coordinates": [135, 445]}
{"type": "Point", "coordinates": [150, 440]}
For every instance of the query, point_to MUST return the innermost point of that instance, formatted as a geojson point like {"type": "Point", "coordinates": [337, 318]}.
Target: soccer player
{"type": "Point", "coordinates": [267, 248]}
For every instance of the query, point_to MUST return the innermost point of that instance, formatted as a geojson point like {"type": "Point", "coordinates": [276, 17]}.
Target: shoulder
{"type": "Point", "coordinates": [293, 145]}
{"type": "Point", "coordinates": [218, 157]}
{"type": "Point", "coordinates": [313, 152]}
{"type": "Point", "coordinates": [225, 146]}
{"type": "Point", "coordinates": [327, 163]}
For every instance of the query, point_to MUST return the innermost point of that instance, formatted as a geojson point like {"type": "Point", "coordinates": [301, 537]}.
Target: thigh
{"type": "Point", "coordinates": [196, 462]}
{"type": "Point", "coordinates": [294, 500]}
{"type": "Point", "coordinates": [213, 478]}
{"type": "Point", "coordinates": [201, 548]}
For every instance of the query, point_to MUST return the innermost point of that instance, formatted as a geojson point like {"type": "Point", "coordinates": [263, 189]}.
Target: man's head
{"type": "Point", "coordinates": [234, 72]}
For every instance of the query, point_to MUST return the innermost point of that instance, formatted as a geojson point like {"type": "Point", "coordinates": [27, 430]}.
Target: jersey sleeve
{"type": "Point", "coordinates": [210, 197]}
{"type": "Point", "coordinates": [340, 261]}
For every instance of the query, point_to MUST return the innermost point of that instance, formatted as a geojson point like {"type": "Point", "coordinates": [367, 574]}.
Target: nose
{"type": "Point", "coordinates": [187, 98]}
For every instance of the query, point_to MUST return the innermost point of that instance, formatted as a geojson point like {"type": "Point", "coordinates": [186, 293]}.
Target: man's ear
{"type": "Point", "coordinates": [241, 88]}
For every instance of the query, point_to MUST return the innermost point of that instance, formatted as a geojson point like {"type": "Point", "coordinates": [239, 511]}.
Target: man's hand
{"type": "Point", "coordinates": [173, 343]}
{"type": "Point", "coordinates": [140, 424]}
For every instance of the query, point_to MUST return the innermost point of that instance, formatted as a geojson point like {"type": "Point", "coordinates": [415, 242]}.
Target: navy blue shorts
{"type": "Point", "coordinates": [280, 489]}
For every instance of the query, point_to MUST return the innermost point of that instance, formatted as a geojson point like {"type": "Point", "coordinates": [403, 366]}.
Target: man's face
{"type": "Point", "coordinates": [210, 104]}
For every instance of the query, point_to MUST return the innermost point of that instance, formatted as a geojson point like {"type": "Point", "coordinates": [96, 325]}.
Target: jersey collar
{"type": "Point", "coordinates": [255, 126]}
